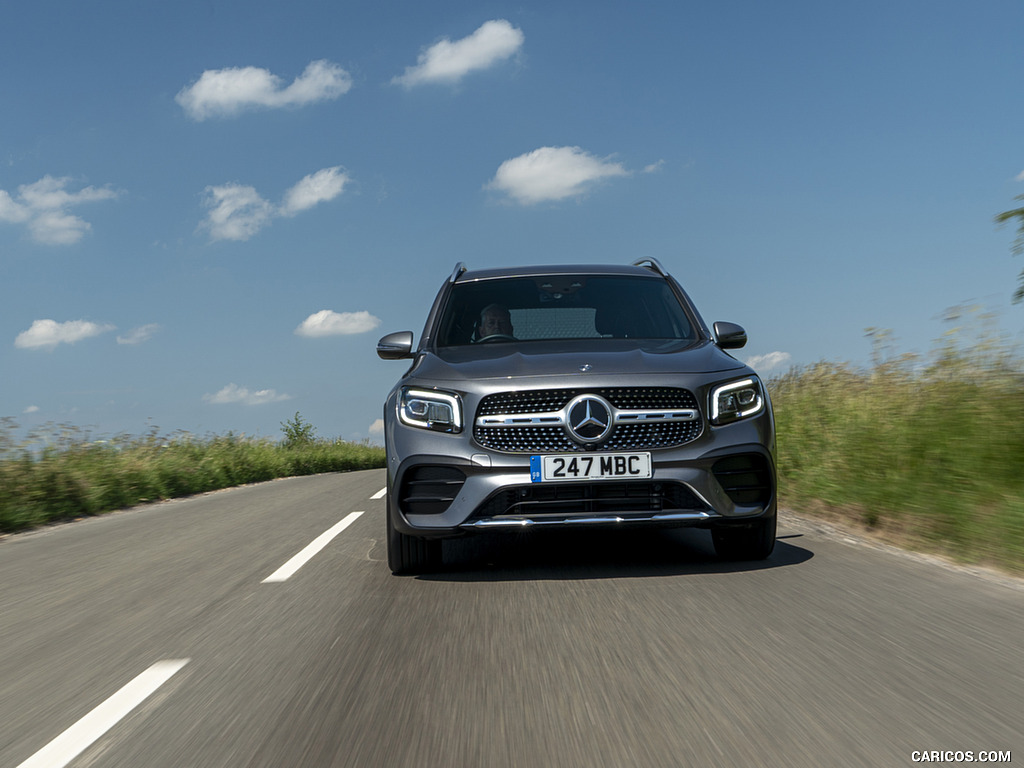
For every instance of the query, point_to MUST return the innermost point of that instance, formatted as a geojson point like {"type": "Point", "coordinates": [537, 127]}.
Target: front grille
{"type": "Point", "coordinates": [546, 400]}
{"type": "Point", "coordinates": [429, 490]}
{"type": "Point", "coordinates": [554, 438]}
{"type": "Point", "coordinates": [525, 439]}
{"type": "Point", "coordinates": [542, 500]}
{"type": "Point", "coordinates": [746, 479]}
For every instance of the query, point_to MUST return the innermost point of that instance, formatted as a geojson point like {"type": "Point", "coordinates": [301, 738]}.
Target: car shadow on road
{"type": "Point", "coordinates": [599, 554]}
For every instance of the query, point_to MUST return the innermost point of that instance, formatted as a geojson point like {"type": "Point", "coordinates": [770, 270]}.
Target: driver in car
{"type": "Point", "coordinates": [494, 321]}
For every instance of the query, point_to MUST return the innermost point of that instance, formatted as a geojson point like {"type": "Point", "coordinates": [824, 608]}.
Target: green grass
{"type": "Point", "coordinates": [926, 455]}
{"type": "Point", "coordinates": [64, 475]}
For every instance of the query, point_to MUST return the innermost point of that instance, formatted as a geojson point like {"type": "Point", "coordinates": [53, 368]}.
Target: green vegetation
{"type": "Point", "coordinates": [1018, 244]}
{"type": "Point", "coordinates": [925, 454]}
{"type": "Point", "coordinates": [298, 432]}
{"type": "Point", "coordinates": [63, 474]}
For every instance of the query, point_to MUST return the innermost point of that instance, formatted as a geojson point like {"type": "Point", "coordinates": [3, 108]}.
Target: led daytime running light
{"type": "Point", "coordinates": [744, 397]}
{"type": "Point", "coordinates": [429, 409]}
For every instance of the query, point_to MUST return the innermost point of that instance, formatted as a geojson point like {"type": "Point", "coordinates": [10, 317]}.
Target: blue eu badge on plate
{"type": "Point", "coordinates": [535, 475]}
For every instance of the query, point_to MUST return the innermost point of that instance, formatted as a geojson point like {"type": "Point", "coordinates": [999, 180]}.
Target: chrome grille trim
{"type": "Point", "coordinates": [560, 418]}
{"type": "Point", "coordinates": [519, 420]}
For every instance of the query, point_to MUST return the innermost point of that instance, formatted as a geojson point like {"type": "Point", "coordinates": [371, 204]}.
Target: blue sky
{"type": "Point", "coordinates": [210, 211]}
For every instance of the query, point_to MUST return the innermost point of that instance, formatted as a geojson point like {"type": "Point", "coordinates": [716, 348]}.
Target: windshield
{"type": "Point", "coordinates": [562, 307]}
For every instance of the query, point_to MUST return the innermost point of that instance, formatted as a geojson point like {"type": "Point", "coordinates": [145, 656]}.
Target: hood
{"type": "Point", "coordinates": [540, 358]}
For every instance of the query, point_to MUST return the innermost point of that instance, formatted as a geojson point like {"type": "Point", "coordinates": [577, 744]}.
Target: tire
{"type": "Point", "coordinates": [754, 541]}
{"type": "Point", "coordinates": [411, 554]}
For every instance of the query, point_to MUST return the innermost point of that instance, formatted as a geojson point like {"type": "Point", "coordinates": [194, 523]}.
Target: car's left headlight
{"type": "Point", "coordinates": [736, 400]}
{"type": "Point", "coordinates": [430, 409]}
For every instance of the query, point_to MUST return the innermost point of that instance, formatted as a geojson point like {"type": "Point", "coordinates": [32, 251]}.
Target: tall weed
{"type": "Point", "coordinates": [929, 451]}
{"type": "Point", "coordinates": [61, 473]}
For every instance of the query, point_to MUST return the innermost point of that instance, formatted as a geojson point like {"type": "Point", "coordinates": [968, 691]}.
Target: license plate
{"type": "Point", "coordinates": [590, 466]}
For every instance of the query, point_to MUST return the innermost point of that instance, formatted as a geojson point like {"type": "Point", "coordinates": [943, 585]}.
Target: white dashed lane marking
{"type": "Point", "coordinates": [76, 739]}
{"type": "Point", "coordinates": [287, 570]}
{"type": "Point", "coordinates": [66, 747]}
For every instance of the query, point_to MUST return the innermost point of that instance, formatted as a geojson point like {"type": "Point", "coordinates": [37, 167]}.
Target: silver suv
{"type": "Point", "coordinates": [569, 396]}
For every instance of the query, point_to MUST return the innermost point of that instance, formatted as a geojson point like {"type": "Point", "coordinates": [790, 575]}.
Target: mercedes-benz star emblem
{"type": "Point", "coordinates": [589, 418]}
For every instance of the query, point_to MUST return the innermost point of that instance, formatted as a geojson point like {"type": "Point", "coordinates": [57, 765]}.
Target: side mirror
{"type": "Point", "coordinates": [730, 336]}
{"type": "Point", "coordinates": [395, 346]}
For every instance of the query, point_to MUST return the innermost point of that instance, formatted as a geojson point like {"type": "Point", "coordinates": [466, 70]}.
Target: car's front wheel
{"type": "Point", "coordinates": [753, 541]}
{"type": "Point", "coordinates": [411, 554]}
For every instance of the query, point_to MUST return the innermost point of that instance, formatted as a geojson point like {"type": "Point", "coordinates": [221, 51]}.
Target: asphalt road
{"type": "Point", "coordinates": [153, 638]}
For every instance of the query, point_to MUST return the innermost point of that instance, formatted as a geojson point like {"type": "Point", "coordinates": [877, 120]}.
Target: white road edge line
{"type": "Point", "coordinates": [380, 494]}
{"type": "Point", "coordinates": [287, 570]}
{"type": "Point", "coordinates": [66, 747]}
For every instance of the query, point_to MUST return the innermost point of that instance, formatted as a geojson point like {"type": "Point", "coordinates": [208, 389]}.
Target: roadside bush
{"type": "Point", "coordinates": [926, 453]}
{"type": "Point", "coordinates": [62, 474]}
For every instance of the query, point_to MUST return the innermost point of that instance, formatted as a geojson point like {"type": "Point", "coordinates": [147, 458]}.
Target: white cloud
{"type": "Point", "coordinates": [50, 333]}
{"type": "Point", "coordinates": [318, 187]}
{"type": "Point", "coordinates": [139, 335]}
{"type": "Point", "coordinates": [329, 323]}
{"type": "Point", "coordinates": [58, 228]}
{"type": "Point", "coordinates": [226, 92]}
{"type": "Point", "coordinates": [50, 194]}
{"type": "Point", "coordinates": [12, 212]}
{"type": "Point", "coordinates": [769, 361]}
{"type": "Point", "coordinates": [377, 428]}
{"type": "Point", "coordinates": [448, 62]}
{"type": "Point", "coordinates": [31, 409]}
{"type": "Point", "coordinates": [552, 173]}
{"type": "Point", "coordinates": [654, 167]}
{"type": "Point", "coordinates": [237, 211]}
{"type": "Point", "coordinates": [43, 206]}
{"type": "Point", "coordinates": [233, 393]}
{"type": "Point", "coordinates": [1018, 177]}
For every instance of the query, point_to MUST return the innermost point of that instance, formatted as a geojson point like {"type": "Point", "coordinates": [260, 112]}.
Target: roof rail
{"type": "Point", "coordinates": [459, 269]}
{"type": "Point", "coordinates": [652, 264]}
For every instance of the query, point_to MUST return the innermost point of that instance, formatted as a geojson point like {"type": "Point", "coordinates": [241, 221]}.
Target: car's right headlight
{"type": "Point", "coordinates": [430, 409]}
{"type": "Point", "coordinates": [736, 400]}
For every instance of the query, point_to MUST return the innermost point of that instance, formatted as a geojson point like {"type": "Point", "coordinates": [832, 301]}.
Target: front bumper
{"type": "Point", "coordinates": [432, 495]}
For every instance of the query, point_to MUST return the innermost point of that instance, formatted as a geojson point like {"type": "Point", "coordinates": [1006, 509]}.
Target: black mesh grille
{"type": "Point", "coordinates": [567, 499]}
{"type": "Point", "coordinates": [526, 439]}
{"type": "Point", "coordinates": [542, 439]}
{"type": "Point", "coordinates": [641, 436]}
{"type": "Point", "coordinates": [639, 398]}
{"type": "Point", "coordinates": [547, 400]}
{"type": "Point", "coordinates": [537, 401]}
